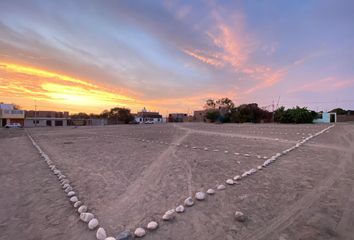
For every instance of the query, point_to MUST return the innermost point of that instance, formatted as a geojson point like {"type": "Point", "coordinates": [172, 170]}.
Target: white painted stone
{"type": "Point", "coordinates": [110, 238]}
{"type": "Point", "coordinates": [74, 199]}
{"type": "Point", "coordinates": [179, 209]}
{"type": "Point", "coordinates": [71, 193]}
{"type": "Point", "coordinates": [82, 209]}
{"type": "Point", "coordinates": [77, 204]}
{"type": "Point", "coordinates": [152, 225]}
{"type": "Point", "coordinates": [68, 189]}
{"type": "Point", "coordinates": [93, 223]}
{"type": "Point", "coordinates": [259, 167]}
{"type": "Point", "coordinates": [237, 177]}
{"type": "Point", "coordinates": [139, 232]}
{"type": "Point", "coordinates": [169, 215]}
{"type": "Point", "coordinates": [221, 187]}
{"type": "Point", "coordinates": [240, 216]}
{"type": "Point", "coordinates": [189, 202]}
{"type": "Point", "coordinates": [86, 217]}
{"type": "Point", "coordinates": [230, 182]}
{"type": "Point", "coordinates": [210, 191]}
{"type": "Point", "coordinates": [64, 181]}
{"type": "Point", "coordinates": [200, 196]}
{"type": "Point", "coordinates": [66, 185]}
{"type": "Point", "coordinates": [62, 177]}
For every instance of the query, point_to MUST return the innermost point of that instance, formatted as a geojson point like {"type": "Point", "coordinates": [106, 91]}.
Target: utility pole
{"type": "Point", "coordinates": [35, 113]}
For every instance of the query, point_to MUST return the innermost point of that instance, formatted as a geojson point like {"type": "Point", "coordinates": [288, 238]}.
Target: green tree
{"type": "Point", "coordinates": [294, 115]}
{"type": "Point", "coordinates": [120, 115]}
{"type": "Point", "coordinates": [212, 115]}
{"type": "Point", "coordinates": [210, 104]}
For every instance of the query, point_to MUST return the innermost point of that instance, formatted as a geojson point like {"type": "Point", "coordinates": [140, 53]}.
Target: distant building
{"type": "Point", "coordinates": [8, 114]}
{"type": "Point", "coordinates": [326, 118]}
{"type": "Point", "coordinates": [178, 117]}
{"type": "Point", "coordinates": [199, 116]}
{"type": "Point", "coordinates": [88, 122]}
{"type": "Point", "coordinates": [148, 117]}
{"type": "Point", "coordinates": [46, 119]}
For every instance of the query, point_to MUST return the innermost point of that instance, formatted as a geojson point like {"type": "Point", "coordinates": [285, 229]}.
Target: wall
{"type": "Point", "coordinates": [30, 123]}
{"type": "Point", "coordinates": [43, 122]}
{"type": "Point", "coordinates": [326, 118]}
{"type": "Point", "coordinates": [345, 118]}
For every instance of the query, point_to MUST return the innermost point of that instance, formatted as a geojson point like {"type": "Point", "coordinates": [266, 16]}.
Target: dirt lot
{"type": "Point", "coordinates": [130, 175]}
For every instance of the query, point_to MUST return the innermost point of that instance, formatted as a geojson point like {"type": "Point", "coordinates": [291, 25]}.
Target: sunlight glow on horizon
{"type": "Point", "coordinates": [50, 87]}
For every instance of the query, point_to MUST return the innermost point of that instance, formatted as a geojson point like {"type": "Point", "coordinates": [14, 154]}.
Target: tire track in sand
{"type": "Point", "coordinates": [154, 173]}
{"type": "Point", "coordinates": [223, 134]}
{"type": "Point", "coordinates": [346, 223]}
{"type": "Point", "coordinates": [288, 216]}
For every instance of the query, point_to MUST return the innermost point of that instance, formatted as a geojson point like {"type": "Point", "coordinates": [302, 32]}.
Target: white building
{"type": "Point", "coordinates": [148, 117]}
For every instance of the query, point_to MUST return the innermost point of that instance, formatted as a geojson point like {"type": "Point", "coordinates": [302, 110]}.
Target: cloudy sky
{"type": "Point", "coordinates": [172, 55]}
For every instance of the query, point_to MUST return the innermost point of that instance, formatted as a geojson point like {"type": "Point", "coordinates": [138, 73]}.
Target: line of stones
{"type": "Point", "coordinates": [200, 196]}
{"type": "Point", "coordinates": [198, 148]}
{"type": "Point", "coordinates": [85, 216]}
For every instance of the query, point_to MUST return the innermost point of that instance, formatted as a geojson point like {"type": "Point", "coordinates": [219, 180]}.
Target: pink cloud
{"type": "Point", "coordinates": [322, 85]}
{"type": "Point", "coordinates": [233, 49]}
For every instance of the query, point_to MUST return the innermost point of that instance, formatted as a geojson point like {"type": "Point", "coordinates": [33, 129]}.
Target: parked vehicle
{"type": "Point", "coordinates": [13, 125]}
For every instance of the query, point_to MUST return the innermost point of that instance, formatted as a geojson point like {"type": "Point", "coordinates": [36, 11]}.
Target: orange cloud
{"type": "Point", "coordinates": [25, 84]}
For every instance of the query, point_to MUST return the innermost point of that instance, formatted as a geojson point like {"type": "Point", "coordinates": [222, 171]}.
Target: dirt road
{"type": "Point", "coordinates": [307, 194]}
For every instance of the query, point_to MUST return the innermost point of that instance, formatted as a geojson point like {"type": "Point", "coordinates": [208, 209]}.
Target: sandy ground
{"type": "Point", "coordinates": [130, 175]}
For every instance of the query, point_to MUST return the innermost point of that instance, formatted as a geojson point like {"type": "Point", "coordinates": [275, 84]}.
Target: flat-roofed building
{"type": "Point", "coordinates": [8, 114]}
{"type": "Point", "coordinates": [46, 119]}
{"type": "Point", "coordinates": [178, 117]}
{"type": "Point", "coordinates": [199, 116]}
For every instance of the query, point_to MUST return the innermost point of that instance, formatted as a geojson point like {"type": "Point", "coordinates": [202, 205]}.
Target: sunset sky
{"type": "Point", "coordinates": [170, 56]}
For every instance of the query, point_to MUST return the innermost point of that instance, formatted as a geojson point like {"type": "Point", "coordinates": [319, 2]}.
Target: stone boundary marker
{"type": "Point", "coordinates": [185, 146]}
{"type": "Point", "coordinates": [93, 223]}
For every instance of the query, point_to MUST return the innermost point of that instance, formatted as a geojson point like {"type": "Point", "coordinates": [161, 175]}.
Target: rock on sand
{"type": "Point", "coordinates": [200, 196]}
{"type": "Point", "coordinates": [210, 191]}
{"type": "Point", "coordinates": [152, 225]}
{"type": "Point", "coordinates": [82, 209]}
{"type": "Point", "coordinates": [93, 223]}
{"type": "Point", "coordinates": [189, 202]}
{"type": "Point", "coordinates": [139, 232]}
{"type": "Point", "coordinates": [170, 214]}
{"type": "Point", "coordinates": [86, 217]}
{"type": "Point", "coordinates": [180, 209]}
{"type": "Point", "coordinates": [230, 182]}
{"type": "Point", "coordinates": [240, 216]}
{"type": "Point", "coordinates": [125, 235]}
{"type": "Point", "coordinates": [101, 234]}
